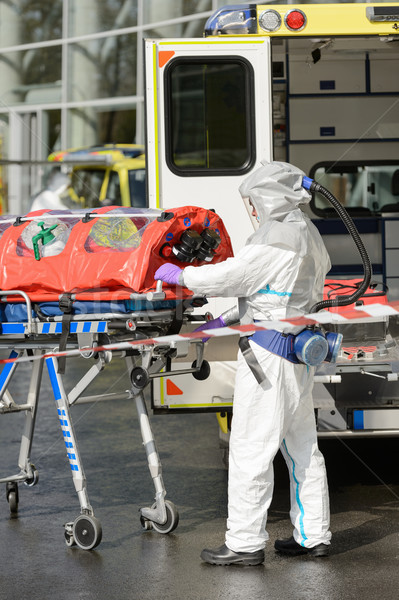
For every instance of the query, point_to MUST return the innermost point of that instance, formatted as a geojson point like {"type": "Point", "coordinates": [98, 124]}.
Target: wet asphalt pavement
{"type": "Point", "coordinates": [138, 565]}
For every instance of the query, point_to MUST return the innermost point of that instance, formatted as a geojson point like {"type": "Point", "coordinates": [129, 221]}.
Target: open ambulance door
{"type": "Point", "coordinates": [209, 124]}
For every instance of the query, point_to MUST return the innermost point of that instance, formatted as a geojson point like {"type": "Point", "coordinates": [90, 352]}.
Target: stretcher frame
{"type": "Point", "coordinates": [37, 339]}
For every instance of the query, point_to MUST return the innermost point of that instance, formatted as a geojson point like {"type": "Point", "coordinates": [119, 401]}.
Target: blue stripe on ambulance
{"type": "Point", "coordinates": [358, 419]}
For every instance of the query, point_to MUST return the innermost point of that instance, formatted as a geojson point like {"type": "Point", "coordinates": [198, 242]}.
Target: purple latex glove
{"type": "Point", "coordinates": [169, 273]}
{"type": "Point", "coordinates": [212, 324]}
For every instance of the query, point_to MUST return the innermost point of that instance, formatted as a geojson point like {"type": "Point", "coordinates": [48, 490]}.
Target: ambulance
{"type": "Point", "coordinates": [110, 174]}
{"type": "Point", "coordinates": [316, 85]}
{"type": "Point", "coordinates": [101, 175]}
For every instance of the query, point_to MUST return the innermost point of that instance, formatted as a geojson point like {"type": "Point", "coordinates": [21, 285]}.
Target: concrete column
{"type": "Point", "coordinates": [10, 63]}
{"type": "Point", "coordinates": [84, 71]}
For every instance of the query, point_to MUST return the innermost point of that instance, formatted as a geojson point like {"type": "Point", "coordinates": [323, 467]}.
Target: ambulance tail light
{"type": "Point", "coordinates": [295, 20]}
{"type": "Point", "coordinates": [232, 20]}
{"type": "Point", "coordinates": [270, 20]}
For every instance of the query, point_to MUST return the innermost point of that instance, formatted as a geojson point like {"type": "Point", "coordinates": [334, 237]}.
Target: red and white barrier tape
{"type": "Point", "coordinates": [362, 313]}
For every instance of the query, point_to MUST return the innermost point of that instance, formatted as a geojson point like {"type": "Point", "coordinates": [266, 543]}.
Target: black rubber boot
{"type": "Point", "coordinates": [292, 548]}
{"type": "Point", "coordinates": [225, 556]}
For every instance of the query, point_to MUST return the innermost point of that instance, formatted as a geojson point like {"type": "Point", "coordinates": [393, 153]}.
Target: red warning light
{"type": "Point", "coordinates": [295, 20]}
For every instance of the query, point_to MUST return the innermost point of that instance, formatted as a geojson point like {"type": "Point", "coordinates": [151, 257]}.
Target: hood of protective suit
{"type": "Point", "coordinates": [58, 183]}
{"type": "Point", "coordinates": [275, 190]}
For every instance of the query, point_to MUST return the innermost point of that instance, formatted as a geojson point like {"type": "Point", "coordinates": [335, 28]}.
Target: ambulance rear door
{"type": "Point", "coordinates": [209, 124]}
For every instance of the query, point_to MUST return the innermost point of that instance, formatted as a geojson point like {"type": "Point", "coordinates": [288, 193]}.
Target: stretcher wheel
{"type": "Point", "coordinates": [139, 377]}
{"type": "Point", "coordinates": [172, 519]}
{"type": "Point", "coordinates": [34, 479]}
{"type": "Point", "coordinates": [69, 539]}
{"type": "Point", "coordinates": [13, 502]}
{"type": "Point", "coordinates": [145, 523]}
{"type": "Point", "coordinates": [204, 372]}
{"type": "Point", "coordinates": [12, 496]}
{"type": "Point", "coordinates": [87, 532]}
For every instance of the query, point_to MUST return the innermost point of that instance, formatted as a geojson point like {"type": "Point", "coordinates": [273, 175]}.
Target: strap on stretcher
{"type": "Point", "coordinates": [65, 303]}
{"type": "Point", "coordinates": [178, 316]}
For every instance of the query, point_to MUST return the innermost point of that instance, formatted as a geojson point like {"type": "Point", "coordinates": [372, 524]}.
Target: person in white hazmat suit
{"type": "Point", "coordinates": [51, 197]}
{"type": "Point", "coordinates": [279, 274]}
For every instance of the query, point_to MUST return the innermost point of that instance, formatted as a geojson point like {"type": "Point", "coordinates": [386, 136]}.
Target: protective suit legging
{"type": "Point", "coordinates": [278, 414]}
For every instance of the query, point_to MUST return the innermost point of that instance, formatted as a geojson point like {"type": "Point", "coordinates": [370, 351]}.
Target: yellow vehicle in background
{"type": "Point", "coordinates": [104, 175]}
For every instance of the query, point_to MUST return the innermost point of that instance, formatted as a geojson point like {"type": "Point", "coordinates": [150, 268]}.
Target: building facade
{"type": "Point", "coordinates": [71, 72]}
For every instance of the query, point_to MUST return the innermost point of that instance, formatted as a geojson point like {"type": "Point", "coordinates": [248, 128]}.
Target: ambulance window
{"type": "Point", "coordinates": [113, 195]}
{"type": "Point", "coordinates": [209, 116]}
{"type": "Point", "coordinates": [86, 185]}
{"type": "Point", "coordinates": [137, 188]}
{"type": "Point", "coordinates": [364, 189]}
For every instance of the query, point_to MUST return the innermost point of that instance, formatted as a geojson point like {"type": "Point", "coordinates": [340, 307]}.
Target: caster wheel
{"type": "Point", "coordinates": [204, 372]}
{"type": "Point", "coordinates": [145, 523]}
{"type": "Point", "coordinates": [69, 540]}
{"type": "Point", "coordinates": [34, 479]}
{"type": "Point", "coordinates": [139, 377]}
{"type": "Point", "coordinates": [87, 532]}
{"type": "Point", "coordinates": [13, 502]}
{"type": "Point", "coordinates": [172, 519]}
{"type": "Point", "coordinates": [12, 496]}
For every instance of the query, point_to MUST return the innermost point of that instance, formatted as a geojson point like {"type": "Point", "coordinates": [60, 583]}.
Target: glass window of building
{"type": "Point", "coordinates": [102, 68]}
{"type": "Point", "coordinates": [93, 16]}
{"type": "Point", "coordinates": [31, 76]}
{"type": "Point", "coordinates": [29, 21]}
{"type": "Point", "coordinates": [100, 125]}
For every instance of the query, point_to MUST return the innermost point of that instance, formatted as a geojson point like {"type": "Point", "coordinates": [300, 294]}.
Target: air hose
{"type": "Point", "coordinates": [313, 186]}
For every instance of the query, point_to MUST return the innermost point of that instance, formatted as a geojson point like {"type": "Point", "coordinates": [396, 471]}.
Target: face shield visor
{"type": "Point", "coordinates": [252, 213]}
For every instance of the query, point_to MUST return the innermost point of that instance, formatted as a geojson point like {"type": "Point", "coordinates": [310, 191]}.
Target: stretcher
{"type": "Point", "coordinates": [81, 280]}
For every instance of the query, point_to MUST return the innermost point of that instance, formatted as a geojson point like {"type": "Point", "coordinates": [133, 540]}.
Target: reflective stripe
{"type": "Point", "coordinates": [268, 290]}
{"type": "Point", "coordinates": [358, 419]}
{"type": "Point", "coordinates": [301, 525]}
{"type": "Point", "coordinates": [53, 379]}
{"type": "Point", "coordinates": [7, 370]}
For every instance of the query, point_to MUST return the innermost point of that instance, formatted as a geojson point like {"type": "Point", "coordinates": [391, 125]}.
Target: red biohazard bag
{"type": "Point", "coordinates": [108, 253]}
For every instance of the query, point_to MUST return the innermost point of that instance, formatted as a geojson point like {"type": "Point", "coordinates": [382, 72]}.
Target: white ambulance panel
{"type": "Point", "coordinates": [328, 76]}
{"type": "Point", "coordinates": [356, 118]}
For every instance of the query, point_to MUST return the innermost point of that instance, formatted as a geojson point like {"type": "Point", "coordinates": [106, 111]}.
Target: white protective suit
{"type": "Point", "coordinates": [50, 197]}
{"type": "Point", "coordinates": [278, 274]}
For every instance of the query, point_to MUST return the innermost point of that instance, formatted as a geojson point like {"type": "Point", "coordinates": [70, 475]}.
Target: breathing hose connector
{"type": "Point", "coordinates": [313, 186]}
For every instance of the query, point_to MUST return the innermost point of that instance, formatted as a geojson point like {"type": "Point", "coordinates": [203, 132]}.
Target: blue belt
{"type": "Point", "coordinates": [276, 342]}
